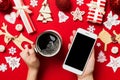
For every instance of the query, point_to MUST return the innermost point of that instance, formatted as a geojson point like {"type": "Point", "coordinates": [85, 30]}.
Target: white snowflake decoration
{"type": "Point", "coordinates": [62, 17]}
{"type": "Point", "coordinates": [91, 28]}
{"type": "Point", "coordinates": [98, 44]}
{"type": "Point", "coordinates": [13, 62]}
{"type": "Point", "coordinates": [114, 63]}
{"type": "Point", "coordinates": [80, 2]}
{"type": "Point", "coordinates": [3, 67]}
{"type": "Point", "coordinates": [12, 50]}
{"type": "Point", "coordinates": [111, 20]}
{"type": "Point", "coordinates": [101, 57]}
{"type": "Point", "coordinates": [34, 3]}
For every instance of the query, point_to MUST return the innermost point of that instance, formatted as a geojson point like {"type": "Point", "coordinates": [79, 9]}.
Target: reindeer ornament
{"type": "Point", "coordinates": [18, 40]}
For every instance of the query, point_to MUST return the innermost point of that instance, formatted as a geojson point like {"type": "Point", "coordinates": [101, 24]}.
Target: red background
{"type": "Point", "coordinates": [51, 68]}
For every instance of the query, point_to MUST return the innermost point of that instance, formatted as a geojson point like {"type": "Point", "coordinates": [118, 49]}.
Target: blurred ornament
{"type": "Point", "coordinates": [115, 6]}
{"type": "Point", "coordinates": [5, 6]}
{"type": "Point", "coordinates": [64, 5]}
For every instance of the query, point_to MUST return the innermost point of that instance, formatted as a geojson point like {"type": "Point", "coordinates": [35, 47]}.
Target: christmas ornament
{"type": "Point", "coordinates": [91, 28]}
{"type": "Point", "coordinates": [3, 67]}
{"type": "Point", "coordinates": [101, 57]}
{"type": "Point", "coordinates": [115, 6]}
{"type": "Point", "coordinates": [114, 63]}
{"type": "Point", "coordinates": [77, 14]}
{"type": "Point", "coordinates": [114, 50]}
{"type": "Point", "coordinates": [12, 50]}
{"type": "Point", "coordinates": [98, 44]}
{"type": "Point", "coordinates": [34, 3]}
{"type": "Point", "coordinates": [117, 36]}
{"type": "Point", "coordinates": [45, 13]}
{"type": "Point", "coordinates": [5, 6]}
{"type": "Point", "coordinates": [111, 20]}
{"type": "Point", "coordinates": [23, 11]}
{"type": "Point", "coordinates": [13, 62]}
{"type": "Point", "coordinates": [80, 2]}
{"type": "Point", "coordinates": [2, 48]}
{"type": "Point", "coordinates": [105, 37]}
{"type": "Point", "coordinates": [96, 11]}
{"type": "Point", "coordinates": [18, 40]}
{"type": "Point", "coordinates": [64, 5]}
{"type": "Point", "coordinates": [19, 27]}
{"type": "Point", "coordinates": [62, 17]}
{"type": "Point", "coordinates": [11, 18]}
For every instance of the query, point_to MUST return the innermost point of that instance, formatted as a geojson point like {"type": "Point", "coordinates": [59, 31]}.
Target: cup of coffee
{"type": "Point", "coordinates": [48, 43]}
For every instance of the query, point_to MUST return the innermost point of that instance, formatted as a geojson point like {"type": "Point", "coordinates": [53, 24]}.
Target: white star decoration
{"type": "Point", "coordinates": [3, 67]}
{"type": "Point", "coordinates": [12, 50]}
{"type": "Point", "coordinates": [34, 3]}
{"type": "Point", "coordinates": [13, 62]}
{"type": "Point", "coordinates": [77, 14]}
{"type": "Point", "coordinates": [80, 2]}
{"type": "Point", "coordinates": [114, 63]}
{"type": "Point", "coordinates": [62, 17]}
{"type": "Point", "coordinates": [91, 28]}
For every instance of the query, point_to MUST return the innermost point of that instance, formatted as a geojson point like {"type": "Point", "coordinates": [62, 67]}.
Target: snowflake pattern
{"type": "Point", "coordinates": [91, 28]}
{"type": "Point", "coordinates": [13, 62]}
{"type": "Point", "coordinates": [77, 14]}
{"type": "Point", "coordinates": [101, 57]}
{"type": "Point", "coordinates": [114, 63]}
{"type": "Point", "coordinates": [80, 2]}
{"type": "Point", "coordinates": [12, 50]}
{"type": "Point", "coordinates": [34, 3]}
{"type": "Point", "coordinates": [111, 20]}
{"type": "Point", "coordinates": [3, 67]}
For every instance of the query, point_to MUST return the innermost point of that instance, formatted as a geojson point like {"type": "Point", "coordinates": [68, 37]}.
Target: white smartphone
{"type": "Point", "coordinates": [79, 52]}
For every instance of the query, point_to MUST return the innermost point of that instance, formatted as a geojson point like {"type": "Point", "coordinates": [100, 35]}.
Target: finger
{"type": "Point", "coordinates": [31, 51]}
{"type": "Point", "coordinates": [71, 39]}
{"type": "Point", "coordinates": [69, 45]}
{"type": "Point", "coordinates": [74, 32]}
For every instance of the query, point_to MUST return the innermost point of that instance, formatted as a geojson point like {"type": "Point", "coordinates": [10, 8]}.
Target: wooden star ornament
{"type": "Point", "coordinates": [77, 14]}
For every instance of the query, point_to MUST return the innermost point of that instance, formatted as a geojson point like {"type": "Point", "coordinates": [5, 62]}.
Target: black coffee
{"type": "Point", "coordinates": [48, 43]}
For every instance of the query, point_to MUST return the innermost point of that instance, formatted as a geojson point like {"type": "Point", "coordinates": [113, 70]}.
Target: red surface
{"type": "Point", "coordinates": [51, 68]}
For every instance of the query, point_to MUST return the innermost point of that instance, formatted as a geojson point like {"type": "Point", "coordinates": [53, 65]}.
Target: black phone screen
{"type": "Point", "coordinates": [79, 51]}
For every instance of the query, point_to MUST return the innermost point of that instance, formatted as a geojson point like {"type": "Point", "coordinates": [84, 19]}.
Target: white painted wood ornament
{"type": "Point", "coordinates": [17, 40]}
{"type": "Point", "coordinates": [45, 13]}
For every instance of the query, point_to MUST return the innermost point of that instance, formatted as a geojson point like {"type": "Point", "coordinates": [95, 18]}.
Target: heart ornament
{"type": "Point", "coordinates": [11, 18]}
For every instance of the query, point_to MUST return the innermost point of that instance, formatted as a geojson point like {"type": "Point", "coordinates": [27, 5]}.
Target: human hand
{"type": "Point", "coordinates": [30, 58]}
{"type": "Point", "coordinates": [88, 71]}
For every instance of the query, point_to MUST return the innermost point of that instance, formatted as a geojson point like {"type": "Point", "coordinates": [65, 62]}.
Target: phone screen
{"type": "Point", "coordinates": [79, 51]}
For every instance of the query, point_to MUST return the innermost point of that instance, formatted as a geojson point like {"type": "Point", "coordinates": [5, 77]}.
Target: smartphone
{"type": "Point", "coordinates": [80, 51]}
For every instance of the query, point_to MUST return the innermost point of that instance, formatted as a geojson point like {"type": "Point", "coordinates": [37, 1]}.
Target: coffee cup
{"type": "Point", "coordinates": [48, 43]}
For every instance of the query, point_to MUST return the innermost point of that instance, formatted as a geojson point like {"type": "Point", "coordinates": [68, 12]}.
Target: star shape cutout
{"type": "Point", "coordinates": [77, 14]}
{"type": "Point", "coordinates": [114, 63]}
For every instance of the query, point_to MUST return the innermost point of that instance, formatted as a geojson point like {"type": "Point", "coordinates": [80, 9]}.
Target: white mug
{"type": "Point", "coordinates": [48, 43]}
